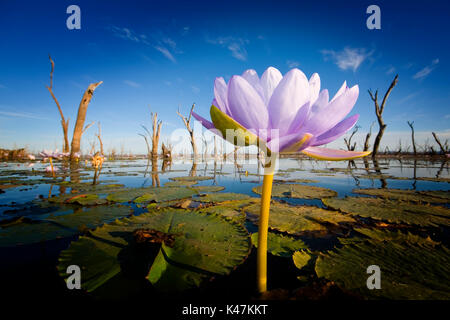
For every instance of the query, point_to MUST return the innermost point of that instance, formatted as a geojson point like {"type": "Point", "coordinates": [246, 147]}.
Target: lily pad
{"type": "Point", "coordinates": [301, 258]}
{"type": "Point", "coordinates": [180, 183]}
{"type": "Point", "coordinates": [204, 246]}
{"type": "Point", "coordinates": [59, 224]}
{"type": "Point", "coordinates": [207, 189]}
{"type": "Point", "coordinates": [298, 191]}
{"type": "Point", "coordinates": [280, 245]}
{"type": "Point", "coordinates": [297, 219]}
{"type": "Point", "coordinates": [407, 195]}
{"type": "Point", "coordinates": [222, 197]}
{"type": "Point", "coordinates": [140, 195]}
{"type": "Point", "coordinates": [407, 271]}
{"type": "Point", "coordinates": [391, 211]}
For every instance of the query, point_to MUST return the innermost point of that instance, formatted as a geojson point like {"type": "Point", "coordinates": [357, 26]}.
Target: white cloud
{"type": "Point", "coordinates": [128, 34]}
{"type": "Point", "coordinates": [21, 115]}
{"type": "Point", "coordinates": [132, 83]}
{"type": "Point", "coordinates": [166, 53]}
{"type": "Point", "coordinates": [422, 74]}
{"type": "Point", "coordinates": [447, 116]}
{"type": "Point", "coordinates": [292, 64]}
{"type": "Point", "coordinates": [348, 58]}
{"type": "Point", "coordinates": [391, 70]}
{"type": "Point", "coordinates": [235, 45]}
{"type": "Point", "coordinates": [195, 89]}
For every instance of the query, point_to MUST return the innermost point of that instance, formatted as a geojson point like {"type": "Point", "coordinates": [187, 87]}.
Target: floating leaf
{"type": "Point", "coordinates": [207, 189]}
{"type": "Point", "coordinates": [298, 191]}
{"type": "Point", "coordinates": [407, 195]}
{"type": "Point", "coordinates": [232, 210]}
{"type": "Point", "coordinates": [407, 271]}
{"type": "Point", "coordinates": [279, 245]}
{"type": "Point", "coordinates": [301, 258]}
{"type": "Point", "coordinates": [180, 183]}
{"type": "Point", "coordinates": [297, 219]}
{"type": "Point", "coordinates": [204, 246]}
{"type": "Point", "coordinates": [60, 224]}
{"type": "Point", "coordinates": [391, 211]}
{"type": "Point", "coordinates": [140, 195]}
{"type": "Point", "coordinates": [222, 197]}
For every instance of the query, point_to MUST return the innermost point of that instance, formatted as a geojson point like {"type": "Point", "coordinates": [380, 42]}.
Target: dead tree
{"type": "Point", "coordinates": [366, 142]}
{"type": "Point", "coordinates": [166, 151]}
{"type": "Point", "coordinates": [348, 142]}
{"type": "Point", "coordinates": [205, 147]}
{"type": "Point", "coordinates": [64, 122]}
{"type": "Point", "coordinates": [215, 147]}
{"type": "Point", "coordinates": [439, 143]}
{"type": "Point", "coordinates": [81, 117]}
{"type": "Point", "coordinates": [379, 113]}
{"type": "Point", "coordinates": [411, 125]}
{"type": "Point", "coordinates": [187, 123]}
{"type": "Point", "coordinates": [149, 152]}
{"type": "Point", "coordinates": [156, 132]}
{"type": "Point", "coordinates": [99, 136]}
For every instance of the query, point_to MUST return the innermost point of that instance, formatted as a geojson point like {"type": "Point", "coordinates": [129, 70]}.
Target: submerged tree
{"type": "Point", "coordinates": [187, 123]}
{"type": "Point", "coordinates": [411, 125]}
{"type": "Point", "coordinates": [64, 122]}
{"type": "Point", "coordinates": [443, 150]}
{"type": "Point", "coordinates": [81, 117]}
{"type": "Point", "coordinates": [366, 142]}
{"type": "Point", "coordinates": [379, 113]}
{"type": "Point", "coordinates": [156, 126]}
{"type": "Point", "coordinates": [348, 142]}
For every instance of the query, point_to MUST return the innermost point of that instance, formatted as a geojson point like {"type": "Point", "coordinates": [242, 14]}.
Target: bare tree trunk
{"type": "Point", "coordinates": [215, 148]}
{"type": "Point", "coordinates": [411, 125]}
{"type": "Point", "coordinates": [187, 123]}
{"type": "Point", "coordinates": [348, 142]}
{"type": "Point", "coordinates": [366, 142]}
{"type": "Point", "coordinates": [81, 117]}
{"type": "Point", "coordinates": [439, 143]}
{"type": "Point", "coordinates": [149, 152]}
{"type": "Point", "coordinates": [99, 136]}
{"type": "Point", "coordinates": [379, 113]}
{"type": "Point", "coordinates": [64, 123]}
{"type": "Point", "coordinates": [155, 136]}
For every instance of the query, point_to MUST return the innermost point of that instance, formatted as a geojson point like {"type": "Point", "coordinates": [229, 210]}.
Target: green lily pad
{"type": "Point", "coordinates": [298, 191]}
{"type": "Point", "coordinates": [207, 189]}
{"type": "Point", "coordinates": [140, 195]}
{"type": "Point", "coordinates": [407, 195]}
{"type": "Point", "coordinates": [297, 219]}
{"type": "Point", "coordinates": [180, 183]}
{"type": "Point", "coordinates": [407, 271]}
{"type": "Point", "coordinates": [60, 224]}
{"type": "Point", "coordinates": [383, 235]}
{"type": "Point", "coordinates": [391, 211]}
{"type": "Point", "coordinates": [204, 246]}
{"type": "Point", "coordinates": [222, 197]}
{"type": "Point", "coordinates": [301, 258]}
{"type": "Point", "coordinates": [279, 245]}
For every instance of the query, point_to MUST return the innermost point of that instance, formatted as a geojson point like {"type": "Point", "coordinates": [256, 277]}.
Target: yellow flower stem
{"type": "Point", "coordinates": [51, 165]}
{"type": "Point", "coordinates": [261, 255]}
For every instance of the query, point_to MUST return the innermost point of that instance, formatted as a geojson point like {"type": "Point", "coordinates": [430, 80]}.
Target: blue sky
{"type": "Point", "coordinates": [167, 54]}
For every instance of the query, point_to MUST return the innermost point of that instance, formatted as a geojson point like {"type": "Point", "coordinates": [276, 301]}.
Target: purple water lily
{"type": "Point", "coordinates": [287, 113]}
{"type": "Point", "coordinates": [51, 154]}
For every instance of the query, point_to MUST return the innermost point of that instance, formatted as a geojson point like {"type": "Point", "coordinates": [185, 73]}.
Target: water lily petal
{"type": "Point", "coordinates": [220, 95]}
{"type": "Point", "coordinates": [340, 91]}
{"type": "Point", "coordinates": [329, 116]}
{"type": "Point", "coordinates": [225, 123]}
{"type": "Point", "coordinates": [299, 120]}
{"type": "Point", "coordinates": [207, 124]}
{"type": "Point", "coordinates": [246, 105]}
{"type": "Point", "coordinates": [289, 96]}
{"type": "Point", "coordinates": [252, 77]}
{"type": "Point", "coordinates": [289, 143]}
{"type": "Point", "coordinates": [269, 81]}
{"type": "Point", "coordinates": [314, 88]}
{"type": "Point", "coordinates": [335, 132]}
{"type": "Point", "coordinates": [321, 101]}
{"type": "Point", "coordinates": [333, 155]}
